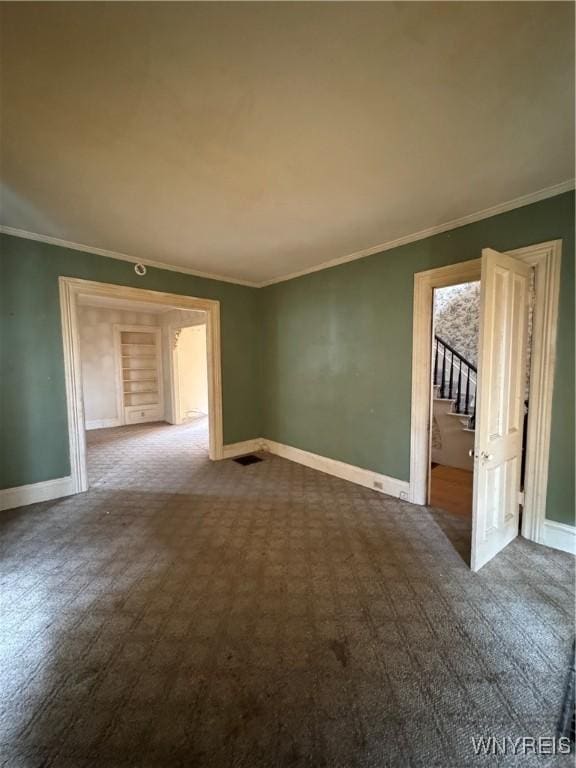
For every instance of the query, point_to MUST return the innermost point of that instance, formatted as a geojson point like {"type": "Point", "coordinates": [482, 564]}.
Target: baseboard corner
{"type": "Point", "coordinates": [232, 450]}
{"type": "Point", "coordinates": [23, 495]}
{"type": "Point", "coordinates": [390, 486]}
{"type": "Point", "coordinates": [559, 536]}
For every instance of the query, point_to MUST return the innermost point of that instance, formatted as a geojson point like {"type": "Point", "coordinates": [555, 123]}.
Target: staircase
{"type": "Point", "coordinates": [454, 409]}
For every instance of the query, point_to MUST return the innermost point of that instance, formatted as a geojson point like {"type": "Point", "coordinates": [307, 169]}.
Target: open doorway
{"type": "Point", "coordinates": [189, 371]}
{"type": "Point", "coordinates": [119, 364]}
{"type": "Point", "coordinates": [456, 329]}
{"type": "Point", "coordinates": [499, 417]}
{"type": "Point", "coordinates": [130, 352]}
{"type": "Point", "coordinates": [456, 317]}
{"type": "Point", "coordinates": [483, 486]}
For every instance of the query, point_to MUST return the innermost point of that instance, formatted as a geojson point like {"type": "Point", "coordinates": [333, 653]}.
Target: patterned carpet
{"type": "Point", "coordinates": [186, 613]}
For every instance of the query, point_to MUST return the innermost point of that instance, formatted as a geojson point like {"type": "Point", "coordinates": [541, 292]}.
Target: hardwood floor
{"type": "Point", "coordinates": [451, 490]}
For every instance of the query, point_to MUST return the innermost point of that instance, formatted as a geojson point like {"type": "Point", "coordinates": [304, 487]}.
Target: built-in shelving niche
{"type": "Point", "coordinates": [140, 362]}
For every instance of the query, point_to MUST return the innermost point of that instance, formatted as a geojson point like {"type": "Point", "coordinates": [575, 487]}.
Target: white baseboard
{"type": "Point", "coordinates": [102, 424]}
{"type": "Point", "coordinates": [381, 483]}
{"type": "Point", "coordinates": [232, 450]}
{"type": "Point", "coordinates": [36, 492]}
{"type": "Point", "coordinates": [559, 536]}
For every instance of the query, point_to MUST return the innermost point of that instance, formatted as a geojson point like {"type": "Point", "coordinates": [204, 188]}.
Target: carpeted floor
{"type": "Point", "coordinates": [184, 613]}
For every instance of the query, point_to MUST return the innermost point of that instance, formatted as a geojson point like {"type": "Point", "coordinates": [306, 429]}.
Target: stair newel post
{"type": "Point", "coordinates": [467, 396]}
{"type": "Point", "coordinates": [451, 375]}
{"type": "Point", "coordinates": [435, 361]}
{"type": "Point", "coordinates": [459, 387]}
{"type": "Point", "coordinates": [443, 384]}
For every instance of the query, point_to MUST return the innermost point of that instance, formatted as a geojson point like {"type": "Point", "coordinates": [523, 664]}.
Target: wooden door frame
{"type": "Point", "coordinates": [546, 259]}
{"type": "Point", "coordinates": [69, 289]}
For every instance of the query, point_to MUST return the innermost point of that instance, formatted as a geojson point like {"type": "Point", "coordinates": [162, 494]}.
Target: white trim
{"type": "Point", "coordinates": [36, 492]}
{"type": "Point", "coordinates": [69, 290]}
{"type": "Point", "coordinates": [232, 450]}
{"type": "Point", "coordinates": [102, 424]}
{"type": "Point", "coordinates": [23, 233]}
{"type": "Point", "coordinates": [559, 536]}
{"type": "Point", "coordinates": [510, 205]}
{"type": "Point", "coordinates": [73, 382]}
{"type": "Point", "coordinates": [545, 258]}
{"type": "Point", "coordinates": [366, 477]}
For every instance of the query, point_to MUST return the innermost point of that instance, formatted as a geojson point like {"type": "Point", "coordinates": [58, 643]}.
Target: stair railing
{"type": "Point", "coordinates": [456, 378]}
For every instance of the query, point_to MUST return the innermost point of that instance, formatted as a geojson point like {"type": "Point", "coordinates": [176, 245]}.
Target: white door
{"type": "Point", "coordinates": [505, 287]}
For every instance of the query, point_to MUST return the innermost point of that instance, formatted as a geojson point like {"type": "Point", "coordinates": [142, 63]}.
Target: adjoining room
{"type": "Point", "coordinates": [141, 363]}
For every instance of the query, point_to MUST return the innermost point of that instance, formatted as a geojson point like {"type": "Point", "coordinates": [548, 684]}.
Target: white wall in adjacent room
{"type": "Point", "coordinates": [98, 357]}
{"type": "Point", "coordinates": [172, 323]}
{"type": "Point", "coordinates": [192, 371]}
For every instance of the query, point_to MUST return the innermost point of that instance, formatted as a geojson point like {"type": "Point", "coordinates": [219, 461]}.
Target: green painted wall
{"type": "Point", "coordinates": [33, 424]}
{"type": "Point", "coordinates": [337, 348]}
{"type": "Point", "coordinates": [332, 350]}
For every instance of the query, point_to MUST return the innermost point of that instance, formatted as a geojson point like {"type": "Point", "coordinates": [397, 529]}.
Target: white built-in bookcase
{"type": "Point", "coordinates": [138, 350]}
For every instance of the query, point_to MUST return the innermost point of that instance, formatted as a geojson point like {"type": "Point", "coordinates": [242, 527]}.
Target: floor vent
{"type": "Point", "coordinates": [246, 460]}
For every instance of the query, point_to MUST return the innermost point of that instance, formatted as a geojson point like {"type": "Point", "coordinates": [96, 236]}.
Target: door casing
{"type": "Point", "coordinates": [546, 259]}
{"type": "Point", "coordinates": [70, 288]}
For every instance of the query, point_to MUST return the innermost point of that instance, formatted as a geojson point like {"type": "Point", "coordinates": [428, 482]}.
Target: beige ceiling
{"type": "Point", "coordinates": [253, 140]}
